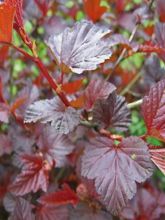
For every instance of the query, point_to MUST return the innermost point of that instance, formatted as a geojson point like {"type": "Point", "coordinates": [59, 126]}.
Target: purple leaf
{"type": "Point", "coordinates": [22, 210]}
{"type": "Point", "coordinates": [116, 169]}
{"type": "Point", "coordinates": [153, 109]}
{"type": "Point", "coordinates": [97, 89]}
{"type": "Point", "coordinates": [112, 112]}
{"type": "Point", "coordinates": [81, 48]}
{"type": "Point", "coordinates": [54, 146]}
{"type": "Point", "coordinates": [63, 119]}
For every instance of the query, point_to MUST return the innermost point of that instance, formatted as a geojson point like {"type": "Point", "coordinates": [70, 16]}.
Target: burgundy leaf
{"type": "Point", "coordinates": [64, 196]}
{"type": "Point", "coordinates": [22, 210]}
{"type": "Point", "coordinates": [158, 157]}
{"type": "Point", "coordinates": [153, 109]}
{"type": "Point", "coordinates": [145, 205]}
{"type": "Point", "coordinates": [116, 169]}
{"type": "Point", "coordinates": [55, 147]}
{"type": "Point", "coordinates": [63, 119]}
{"type": "Point", "coordinates": [45, 212]}
{"type": "Point", "coordinates": [97, 89]}
{"type": "Point", "coordinates": [112, 112]}
{"type": "Point", "coordinates": [81, 48]}
{"type": "Point", "coordinates": [34, 176]}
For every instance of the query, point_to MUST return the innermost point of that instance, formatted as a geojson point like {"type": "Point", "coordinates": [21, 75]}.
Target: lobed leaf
{"type": "Point", "coordinates": [34, 176]}
{"type": "Point", "coordinates": [112, 112]}
{"type": "Point", "coordinates": [63, 119]}
{"type": "Point", "coordinates": [81, 48]}
{"type": "Point", "coordinates": [153, 109]}
{"type": "Point", "coordinates": [116, 169]}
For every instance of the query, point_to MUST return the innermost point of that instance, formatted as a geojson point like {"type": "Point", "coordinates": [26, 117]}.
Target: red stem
{"type": "Point", "coordinates": [44, 71]}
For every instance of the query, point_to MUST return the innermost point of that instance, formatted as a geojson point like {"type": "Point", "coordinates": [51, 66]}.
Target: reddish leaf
{"type": "Point", "coordinates": [45, 212]}
{"type": "Point", "coordinates": [146, 205]}
{"type": "Point", "coordinates": [116, 169]}
{"type": "Point", "coordinates": [158, 157]}
{"type": "Point", "coordinates": [34, 176]}
{"type": "Point", "coordinates": [153, 109]}
{"type": "Point", "coordinates": [22, 210]}
{"type": "Point", "coordinates": [73, 87]}
{"type": "Point", "coordinates": [17, 4]}
{"type": "Point", "coordinates": [55, 147]}
{"type": "Point", "coordinates": [6, 22]}
{"type": "Point", "coordinates": [63, 119]}
{"type": "Point", "coordinates": [81, 48]}
{"type": "Point", "coordinates": [62, 197]}
{"type": "Point", "coordinates": [93, 9]}
{"type": "Point", "coordinates": [112, 113]}
{"type": "Point", "coordinates": [97, 89]}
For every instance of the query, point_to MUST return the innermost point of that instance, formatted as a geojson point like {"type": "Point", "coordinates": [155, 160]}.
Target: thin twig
{"type": "Point", "coordinates": [135, 104]}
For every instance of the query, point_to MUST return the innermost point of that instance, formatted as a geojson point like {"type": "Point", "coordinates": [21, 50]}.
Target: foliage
{"type": "Point", "coordinates": [82, 108]}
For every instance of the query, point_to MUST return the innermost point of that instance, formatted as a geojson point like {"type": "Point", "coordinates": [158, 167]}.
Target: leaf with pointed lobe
{"type": "Point", "coordinates": [22, 210]}
{"type": "Point", "coordinates": [97, 89]}
{"type": "Point", "coordinates": [112, 112]}
{"type": "Point", "coordinates": [116, 169]}
{"type": "Point", "coordinates": [34, 176]}
{"type": "Point", "coordinates": [63, 119]}
{"type": "Point", "coordinates": [61, 197]}
{"type": "Point", "coordinates": [158, 157]}
{"type": "Point", "coordinates": [93, 9]}
{"type": "Point", "coordinates": [153, 110]}
{"type": "Point", "coordinates": [81, 48]}
{"type": "Point", "coordinates": [6, 22]}
{"type": "Point", "coordinates": [54, 146]}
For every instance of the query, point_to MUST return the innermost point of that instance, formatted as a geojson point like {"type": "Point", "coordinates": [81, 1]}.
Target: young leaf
{"type": "Point", "coordinates": [158, 157]}
{"type": "Point", "coordinates": [63, 119]}
{"type": "Point", "coordinates": [81, 48]}
{"type": "Point", "coordinates": [22, 210]}
{"type": "Point", "coordinates": [6, 22]}
{"type": "Point", "coordinates": [62, 197]}
{"type": "Point", "coordinates": [153, 109]}
{"type": "Point", "coordinates": [34, 176]}
{"type": "Point", "coordinates": [54, 146]}
{"type": "Point", "coordinates": [112, 112]}
{"type": "Point", "coordinates": [116, 169]}
{"type": "Point", "coordinates": [93, 9]}
{"type": "Point", "coordinates": [97, 89]}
